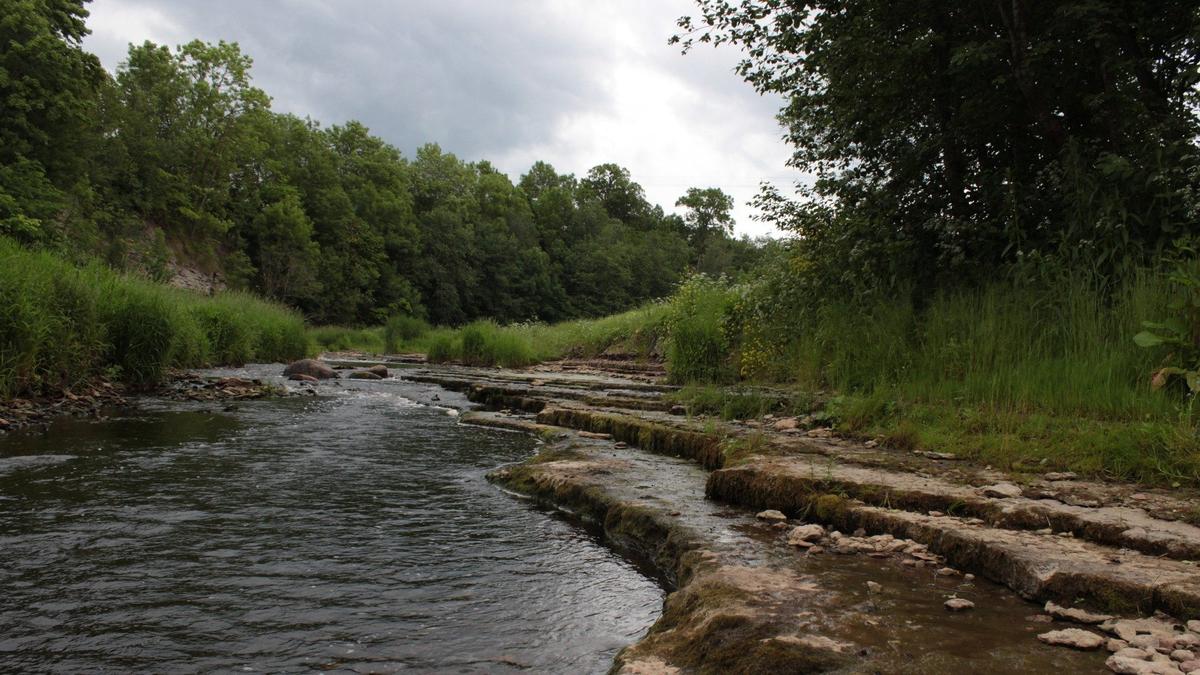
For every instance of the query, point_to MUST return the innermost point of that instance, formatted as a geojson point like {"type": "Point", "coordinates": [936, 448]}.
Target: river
{"type": "Point", "coordinates": [352, 532]}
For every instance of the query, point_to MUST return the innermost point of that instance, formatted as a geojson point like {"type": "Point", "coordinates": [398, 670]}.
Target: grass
{"type": "Point", "coordinates": [637, 333]}
{"type": "Point", "coordinates": [343, 339]}
{"type": "Point", "coordinates": [61, 325]}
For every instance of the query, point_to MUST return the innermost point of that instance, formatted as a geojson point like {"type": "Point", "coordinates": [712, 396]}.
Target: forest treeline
{"type": "Point", "coordinates": [179, 156]}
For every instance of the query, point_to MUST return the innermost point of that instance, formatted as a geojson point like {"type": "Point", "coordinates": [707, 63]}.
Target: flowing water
{"type": "Point", "coordinates": [353, 531]}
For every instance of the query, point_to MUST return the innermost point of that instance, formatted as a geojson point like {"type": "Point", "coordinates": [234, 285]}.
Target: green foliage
{"type": "Point", "coordinates": [342, 339]}
{"type": "Point", "coordinates": [61, 325]}
{"type": "Point", "coordinates": [401, 330]}
{"type": "Point", "coordinates": [1180, 334]}
{"type": "Point", "coordinates": [698, 348]}
{"type": "Point", "coordinates": [441, 349]}
{"type": "Point", "coordinates": [951, 140]}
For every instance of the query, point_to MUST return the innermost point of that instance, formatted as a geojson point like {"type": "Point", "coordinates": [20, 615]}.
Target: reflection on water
{"type": "Point", "coordinates": [354, 532]}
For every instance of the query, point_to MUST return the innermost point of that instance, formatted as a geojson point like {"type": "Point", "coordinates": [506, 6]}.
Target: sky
{"type": "Point", "coordinates": [575, 83]}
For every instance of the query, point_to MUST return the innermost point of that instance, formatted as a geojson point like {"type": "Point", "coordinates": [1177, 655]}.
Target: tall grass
{"type": "Point", "coordinates": [343, 339]}
{"type": "Point", "coordinates": [1063, 349]}
{"type": "Point", "coordinates": [61, 325]}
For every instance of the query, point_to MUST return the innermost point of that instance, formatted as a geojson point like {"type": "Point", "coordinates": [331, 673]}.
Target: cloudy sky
{"type": "Point", "coordinates": [572, 82]}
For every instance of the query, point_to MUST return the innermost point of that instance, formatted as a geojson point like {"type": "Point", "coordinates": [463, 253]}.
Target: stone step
{"type": "Point", "coordinates": [791, 484]}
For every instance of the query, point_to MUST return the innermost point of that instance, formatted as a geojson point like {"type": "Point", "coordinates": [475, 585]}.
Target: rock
{"type": "Point", "coordinates": [771, 515]}
{"type": "Point", "coordinates": [1060, 475]}
{"type": "Point", "coordinates": [592, 434]}
{"type": "Point", "coordinates": [1182, 655]}
{"type": "Point", "coordinates": [379, 370]}
{"type": "Point", "coordinates": [787, 424]}
{"type": "Point", "coordinates": [874, 586]}
{"type": "Point", "coordinates": [816, 549]}
{"type": "Point", "coordinates": [1194, 625]}
{"type": "Point", "coordinates": [1001, 491]}
{"type": "Point", "coordinates": [1187, 641]}
{"type": "Point", "coordinates": [1134, 653]}
{"type": "Point", "coordinates": [300, 377]}
{"type": "Point", "coordinates": [1040, 618]}
{"type": "Point", "coordinates": [363, 375]}
{"type": "Point", "coordinates": [1146, 642]}
{"type": "Point", "coordinates": [1126, 665]}
{"type": "Point", "coordinates": [958, 604]}
{"type": "Point", "coordinates": [1127, 629]}
{"type": "Point", "coordinates": [678, 410]}
{"type": "Point", "coordinates": [1190, 667]}
{"type": "Point", "coordinates": [620, 445]}
{"type": "Point", "coordinates": [938, 455]}
{"type": "Point", "coordinates": [871, 444]}
{"type": "Point", "coordinates": [1115, 645]}
{"type": "Point", "coordinates": [948, 572]}
{"type": "Point", "coordinates": [1074, 638]}
{"type": "Point", "coordinates": [805, 533]}
{"type": "Point", "coordinates": [312, 368]}
{"type": "Point", "coordinates": [1075, 614]}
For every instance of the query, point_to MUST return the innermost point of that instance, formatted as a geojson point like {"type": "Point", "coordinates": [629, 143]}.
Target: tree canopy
{"type": "Point", "coordinates": [179, 157]}
{"type": "Point", "coordinates": [954, 138]}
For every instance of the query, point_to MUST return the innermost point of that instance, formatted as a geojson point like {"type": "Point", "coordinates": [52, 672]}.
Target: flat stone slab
{"type": "Point", "coordinates": [790, 481]}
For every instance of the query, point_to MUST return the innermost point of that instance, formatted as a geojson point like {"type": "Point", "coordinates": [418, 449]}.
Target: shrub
{"type": "Point", "coordinates": [402, 329]}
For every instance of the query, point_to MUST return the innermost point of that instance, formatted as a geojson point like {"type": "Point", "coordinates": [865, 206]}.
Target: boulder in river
{"type": "Point", "coordinates": [805, 534]}
{"type": "Point", "coordinates": [301, 377]}
{"type": "Point", "coordinates": [378, 369]}
{"type": "Point", "coordinates": [364, 375]}
{"type": "Point", "coordinates": [310, 367]}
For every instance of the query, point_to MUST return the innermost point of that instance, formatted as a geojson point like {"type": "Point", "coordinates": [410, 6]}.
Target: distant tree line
{"type": "Point", "coordinates": [179, 155]}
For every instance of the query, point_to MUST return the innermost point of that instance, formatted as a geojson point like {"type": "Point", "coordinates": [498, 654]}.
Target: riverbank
{"type": "Point", "coordinates": [1118, 550]}
{"type": "Point", "coordinates": [1030, 378]}
{"type": "Point", "coordinates": [65, 328]}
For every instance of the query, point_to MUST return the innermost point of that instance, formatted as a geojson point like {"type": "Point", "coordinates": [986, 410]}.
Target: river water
{"type": "Point", "coordinates": [348, 532]}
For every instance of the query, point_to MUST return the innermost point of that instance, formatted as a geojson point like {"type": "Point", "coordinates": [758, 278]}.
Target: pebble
{"type": "Point", "coordinates": [1074, 638]}
{"type": "Point", "coordinates": [948, 572]}
{"type": "Point", "coordinates": [959, 604]}
{"type": "Point", "coordinates": [816, 549]}
{"type": "Point", "coordinates": [787, 424]}
{"type": "Point", "coordinates": [620, 445]}
{"type": "Point", "coordinates": [1183, 655]}
{"type": "Point", "coordinates": [936, 514]}
{"type": "Point", "coordinates": [874, 586]}
{"type": "Point", "coordinates": [969, 577]}
{"type": "Point", "coordinates": [1060, 475]}
{"type": "Point", "coordinates": [871, 444]}
{"type": "Point", "coordinates": [772, 515]}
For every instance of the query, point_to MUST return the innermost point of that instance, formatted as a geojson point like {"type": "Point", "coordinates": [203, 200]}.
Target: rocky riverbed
{"type": "Point", "coordinates": [1061, 574]}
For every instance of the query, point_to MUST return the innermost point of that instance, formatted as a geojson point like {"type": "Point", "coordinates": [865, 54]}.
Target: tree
{"type": "Point", "coordinates": [951, 138]}
{"type": "Point", "coordinates": [709, 214]}
{"type": "Point", "coordinates": [623, 199]}
{"type": "Point", "coordinates": [49, 88]}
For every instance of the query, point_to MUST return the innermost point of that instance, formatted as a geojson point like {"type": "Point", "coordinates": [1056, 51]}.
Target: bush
{"type": "Point", "coordinates": [698, 349]}
{"type": "Point", "coordinates": [402, 329]}
{"type": "Point", "coordinates": [441, 349]}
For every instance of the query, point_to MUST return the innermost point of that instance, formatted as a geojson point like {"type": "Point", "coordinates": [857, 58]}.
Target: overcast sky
{"type": "Point", "coordinates": [572, 82]}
